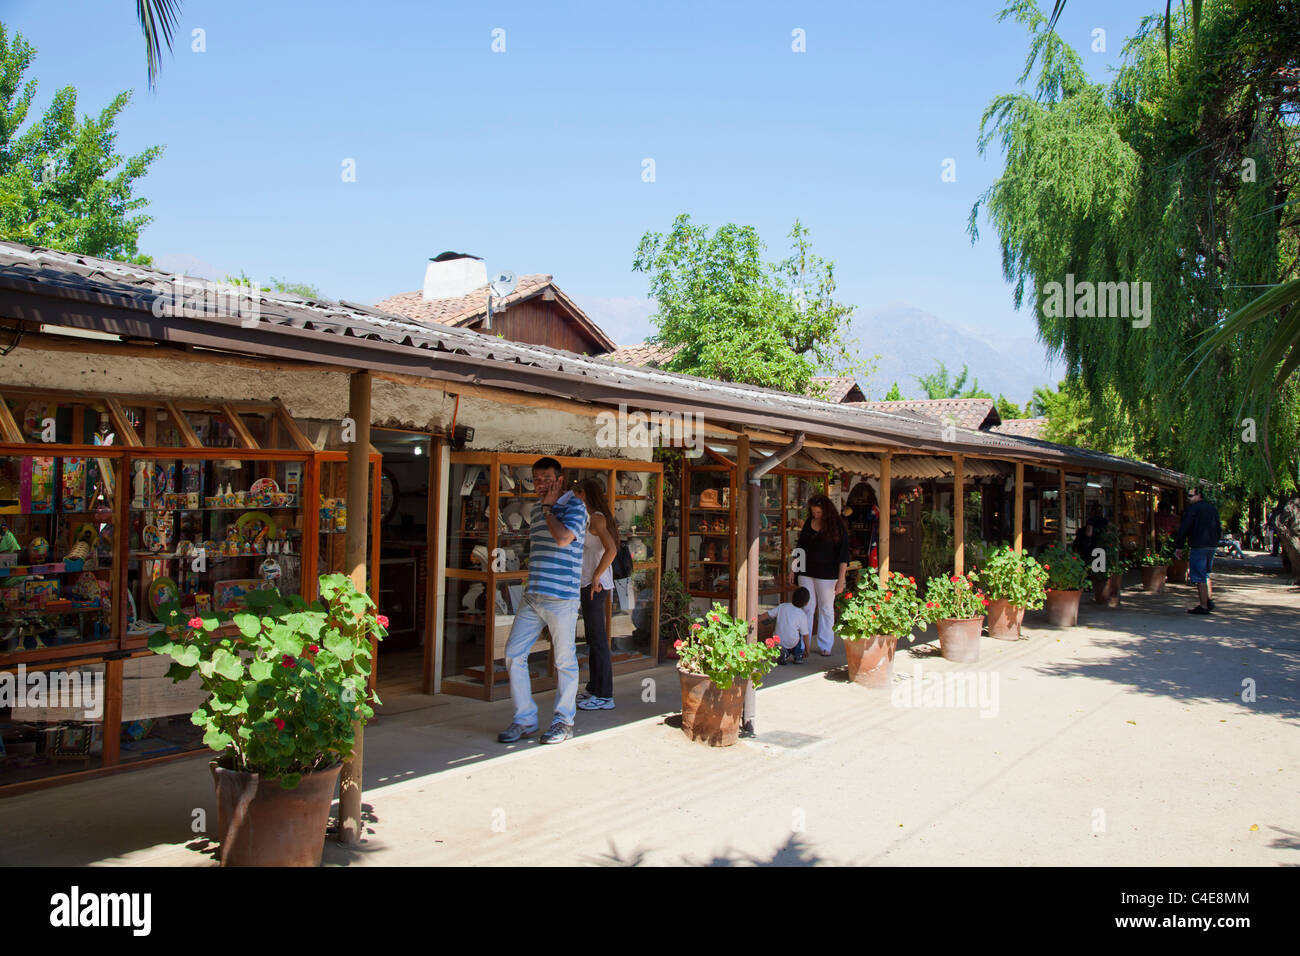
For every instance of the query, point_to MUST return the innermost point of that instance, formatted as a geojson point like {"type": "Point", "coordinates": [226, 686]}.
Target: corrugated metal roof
{"type": "Point", "coordinates": [60, 288]}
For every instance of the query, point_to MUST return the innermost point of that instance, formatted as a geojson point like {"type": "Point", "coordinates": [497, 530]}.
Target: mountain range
{"type": "Point", "coordinates": [909, 341]}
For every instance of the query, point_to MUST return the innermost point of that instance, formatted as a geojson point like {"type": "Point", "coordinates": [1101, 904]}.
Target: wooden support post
{"type": "Point", "coordinates": [1061, 502]}
{"type": "Point", "coordinates": [958, 516]}
{"type": "Point", "coordinates": [1020, 506]}
{"type": "Point", "coordinates": [886, 516]}
{"type": "Point", "coordinates": [357, 537]}
{"type": "Point", "coordinates": [111, 755]}
{"type": "Point", "coordinates": [741, 537]}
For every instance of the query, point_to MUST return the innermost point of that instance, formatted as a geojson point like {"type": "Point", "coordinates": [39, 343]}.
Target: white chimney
{"type": "Point", "coordinates": [453, 274]}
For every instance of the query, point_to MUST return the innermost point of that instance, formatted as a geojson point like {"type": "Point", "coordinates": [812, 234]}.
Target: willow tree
{"type": "Point", "coordinates": [1172, 179]}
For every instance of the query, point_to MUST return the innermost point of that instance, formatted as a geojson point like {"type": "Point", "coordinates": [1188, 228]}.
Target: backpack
{"type": "Point", "coordinates": [622, 566]}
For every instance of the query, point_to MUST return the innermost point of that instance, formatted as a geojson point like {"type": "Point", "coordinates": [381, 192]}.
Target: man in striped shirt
{"type": "Point", "coordinates": [557, 530]}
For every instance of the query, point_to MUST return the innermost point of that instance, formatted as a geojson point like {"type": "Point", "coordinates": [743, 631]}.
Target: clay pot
{"type": "Point", "coordinates": [709, 713]}
{"type": "Point", "coordinates": [1063, 608]}
{"type": "Point", "coordinates": [959, 638]}
{"type": "Point", "coordinates": [1177, 572]}
{"type": "Point", "coordinates": [1153, 578]}
{"type": "Point", "coordinates": [259, 823]}
{"type": "Point", "coordinates": [871, 660]}
{"type": "Point", "coordinates": [1004, 620]}
{"type": "Point", "coordinates": [1106, 590]}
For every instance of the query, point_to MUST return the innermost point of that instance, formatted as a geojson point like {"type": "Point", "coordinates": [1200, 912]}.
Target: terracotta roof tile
{"type": "Point", "coordinates": [460, 310]}
{"type": "Point", "coordinates": [1023, 427]}
{"type": "Point", "coordinates": [977, 414]}
{"type": "Point", "coordinates": [644, 354]}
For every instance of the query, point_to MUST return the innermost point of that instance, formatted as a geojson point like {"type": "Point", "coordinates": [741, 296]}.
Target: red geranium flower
{"type": "Point", "coordinates": [848, 595]}
{"type": "Point", "coordinates": [383, 621]}
{"type": "Point", "coordinates": [196, 622]}
{"type": "Point", "coordinates": [770, 642]}
{"type": "Point", "coordinates": [889, 595]}
{"type": "Point", "coordinates": [713, 617]}
{"type": "Point", "coordinates": [696, 626]}
{"type": "Point", "coordinates": [911, 580]}
{"type": "Point", "coordinates": [1047, 567]}
{"type": "Point", "coordinates": [279, 724]}
{"type": "Point", "coordinates": [286, 661]}
{"type": "Point", "coordinates": [742, 653]}
{"type": "Point", "coordinates": [313, 648]}
{"type": "Point", "coordinates": [955, 579]}
{"type": "Point", "coordinates": [677, 645]}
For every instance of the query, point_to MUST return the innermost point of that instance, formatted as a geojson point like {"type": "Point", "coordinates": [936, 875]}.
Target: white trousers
{"type": "Point", "coordinates": [821, 605]}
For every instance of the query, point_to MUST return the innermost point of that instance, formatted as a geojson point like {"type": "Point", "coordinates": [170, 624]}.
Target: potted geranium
{"type": "Point", "coordinates": [956, 607]}
{"type": "Point", "coordinates": [716, 663]}
{"type": "Point", "coordinates": [1108, 568]}
{"type": "Point", "coordinates": [287, 685]}
{"type": "Point", "coordinates": [873, 618]}
{"type": "Point", "coordinates": [1154, 565]}
{"type": "Point", "coordinates": [1013, 582]}
{"type": "Point", "coordinates": [1067, 575]}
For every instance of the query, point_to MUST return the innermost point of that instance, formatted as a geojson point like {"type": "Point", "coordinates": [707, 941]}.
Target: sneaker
{"type": "Point", "coordinates": [747, 730]}
{"type": "Point", "coordinates": [559, 732]}
{"type": "Point", "coordinates": [596, 703]}
{"type": "Point", "coordinates": [1198, 610]}
{"type": "Point", "coordinates": [584, 695]}
{"type": "Point", "coordinates": [1211, 604]}
{"type": "Point", "coordinates": [514, 732]}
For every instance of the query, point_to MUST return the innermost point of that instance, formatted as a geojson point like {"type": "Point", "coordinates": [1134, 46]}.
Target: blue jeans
{"type": "Point", "coordinates": [560, 617]}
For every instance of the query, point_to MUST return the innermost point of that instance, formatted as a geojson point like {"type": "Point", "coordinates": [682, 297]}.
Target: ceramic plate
{"type": "Point", "coordinates": [163, 591]}
{"type": "Point", "coordinates": [263, 483]}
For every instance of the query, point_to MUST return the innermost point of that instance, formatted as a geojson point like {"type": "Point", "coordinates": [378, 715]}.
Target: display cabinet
{"type": "Point", "coordinates": [708, 529]}
{"type": "Point", "coordinates": [490, 499]}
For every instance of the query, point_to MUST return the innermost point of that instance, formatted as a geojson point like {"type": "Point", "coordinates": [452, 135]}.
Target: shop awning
{"type": "Point", "coordinates": [904, 466]}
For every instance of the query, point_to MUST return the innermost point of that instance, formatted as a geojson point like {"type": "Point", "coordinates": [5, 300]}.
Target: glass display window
{"type": "Point", "coordinates": [205, 531]}
{"type": "Point", "coordinates": [53, 721]}
{"type": "Point", "coordinates": [57, 531]}
{"type": "Point", "coordinates": [490, 515]}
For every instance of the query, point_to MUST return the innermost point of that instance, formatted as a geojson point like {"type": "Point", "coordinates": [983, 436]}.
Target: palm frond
{"type": "Point", "coordinates": [158, 23]}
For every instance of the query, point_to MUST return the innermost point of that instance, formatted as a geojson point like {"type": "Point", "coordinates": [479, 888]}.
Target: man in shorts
{"type": "Point", "coordinates": [1200, 531]}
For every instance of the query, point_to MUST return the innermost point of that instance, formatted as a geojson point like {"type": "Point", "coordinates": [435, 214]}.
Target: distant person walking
{"type": "Point", "coordinates": [598, 553]}
{"type": "Point", "coordinates": [1200, 530]}
{"type": "Point", "coordinates": [824, 540]}
{"type": "Point", "coordinates": [557, 531]}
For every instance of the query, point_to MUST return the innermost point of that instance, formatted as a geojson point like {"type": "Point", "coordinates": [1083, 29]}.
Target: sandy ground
{"type": "Point", "coordinates": [1124, 741]}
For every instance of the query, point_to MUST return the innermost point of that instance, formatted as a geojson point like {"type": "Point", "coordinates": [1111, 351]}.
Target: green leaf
{"type": "Point", "coordinates": [248, 624]}
{"type": "Point", "coordinates": [260, 670]}
{"type": "Point", "coordinates": [227, 665]}
{"type": "Point", "coordinates": [215, 739]}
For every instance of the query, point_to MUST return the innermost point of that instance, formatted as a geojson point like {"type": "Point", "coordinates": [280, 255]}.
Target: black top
{"type": "Point", "coordinates": [1200, 527]}
{"type": "Point", "coordinates": [824, 556]}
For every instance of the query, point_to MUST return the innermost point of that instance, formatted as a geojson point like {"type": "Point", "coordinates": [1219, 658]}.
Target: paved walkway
{"type": "Point", "coordinates": [1124, 741]}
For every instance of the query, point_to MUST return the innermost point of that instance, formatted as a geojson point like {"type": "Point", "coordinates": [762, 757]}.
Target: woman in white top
{"type": "Point", "coordinates": [598, 552]}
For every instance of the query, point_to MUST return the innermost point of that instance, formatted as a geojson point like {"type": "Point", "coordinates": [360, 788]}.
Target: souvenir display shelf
{"type": "Point", "coordinates": [489, 503]}
{"type": "Point", "coordinates": [78, 452]}
{"type": "Point", "coordinates": [709, 512]}
{"type": "Point", "coordinates": [205, 527]}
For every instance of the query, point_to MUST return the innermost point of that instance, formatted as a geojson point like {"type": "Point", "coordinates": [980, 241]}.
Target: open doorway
{"type": "Point", "coordinates": [405, 503]}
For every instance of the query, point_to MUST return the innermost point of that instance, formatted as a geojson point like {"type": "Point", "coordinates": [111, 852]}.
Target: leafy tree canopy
{"type": "Point", "coordinates": [739, 319]}
{"type": "Point", "coordinates": [1174, 179]}
{"type": "Point", "coordinates": [62, 182]}
{"type": "Point", "coordinates": [895, 394]}
{"type": "Point", "coordinates": [941, 384]}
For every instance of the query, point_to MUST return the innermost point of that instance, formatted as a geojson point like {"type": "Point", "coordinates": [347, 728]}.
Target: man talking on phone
{"type": "Point", "coordinates": [557, 531]}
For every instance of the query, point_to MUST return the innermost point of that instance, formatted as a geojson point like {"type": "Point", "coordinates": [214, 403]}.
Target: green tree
{"type": "Point", "coordinates": [1068, 410]}
{"type": "Point", "coordinates": [895, 394]}
{"type": "Point", "coordinates": [941, 384]}
{"type": "Point", "coordinates": [1008, 409]}
{"type": "Point", "coordinates": [1175, 178]}
{"type": "Point", "coordinates": [62, 182]}
{"type": "Point", "coordinates": [739, 319]}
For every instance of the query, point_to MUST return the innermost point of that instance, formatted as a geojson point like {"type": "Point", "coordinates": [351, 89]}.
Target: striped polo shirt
{"type": "Point", "coordinates": [552, 570]}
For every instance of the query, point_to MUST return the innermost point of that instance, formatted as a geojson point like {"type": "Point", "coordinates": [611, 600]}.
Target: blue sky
{"type": "Point", "coordinates": [532, 158]}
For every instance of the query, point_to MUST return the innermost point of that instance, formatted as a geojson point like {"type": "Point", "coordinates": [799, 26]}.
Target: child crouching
{"type": "Point", "coordinates": [792, 626]}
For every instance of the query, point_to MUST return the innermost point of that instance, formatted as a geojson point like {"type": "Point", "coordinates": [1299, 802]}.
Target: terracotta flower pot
{"type": "Point", "coordinates": [871, 660]}
{"type": "Point", "coordinates": [1177, 572]}
{"type": "Point", "coordinates": [1005, 619]}
{"type": "Point", "coordinates": [710, 713]}
{"type": "Point", "coordinates": [1063, 608]}
{"type": "Point", "coordinates": [1106, 590]}
{"type": "Point", "coordinates": [1153, 577]}
{"type": "Point", "coordinates": [959, 638]}
{"type": "Point", "coordinates": [260, 823]}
